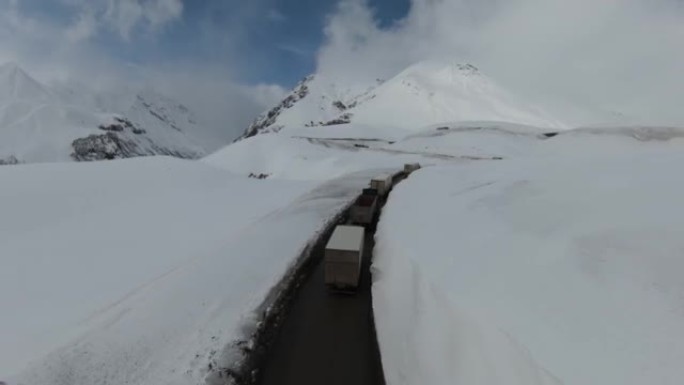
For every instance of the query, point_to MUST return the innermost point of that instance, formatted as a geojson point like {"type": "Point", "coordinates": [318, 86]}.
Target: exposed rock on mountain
{"type": "Point", "coordinates": [40, 123]}
{"type": "Point", "coordinates": [266, 121]}
{"type": "Point", "coordinates": [9, 160]}
{"type": "Point", "coordinates": [424, 94]}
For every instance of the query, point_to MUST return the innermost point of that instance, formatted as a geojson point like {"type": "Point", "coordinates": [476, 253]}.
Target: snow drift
{"type": "Point", "coordinates": [557, 268]}
{"type": "Point", "coordinates": [281, 156]}
{"type": "Point", "coordinates": [83, 237]}
{"type": "Point", "coordinates": [144, 271]}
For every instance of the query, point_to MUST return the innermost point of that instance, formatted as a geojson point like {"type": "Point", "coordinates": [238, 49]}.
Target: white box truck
{"type": "Point", "coordinates": [382, 183]}
{"type": "Point", "coordinates": [343, 256]}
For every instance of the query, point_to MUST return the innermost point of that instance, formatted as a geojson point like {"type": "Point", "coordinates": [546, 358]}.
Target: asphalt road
{"type": "Point", "coordinates": [326, 339]}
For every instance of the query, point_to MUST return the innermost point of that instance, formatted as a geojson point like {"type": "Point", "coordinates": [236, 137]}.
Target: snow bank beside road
{"type": "Point", "coordinates": [82, 236]}
{"type": "Point", "coordinates": [156, 311]}
{"type": "Point", "coordinates": [425, 339]}
{"type": "Point", "coordinates": [576, 260]}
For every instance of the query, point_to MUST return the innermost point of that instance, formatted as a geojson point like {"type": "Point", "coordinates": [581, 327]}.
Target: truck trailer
{"type": "Point", "coordinates": [411, 167]}
{"type": "Point", "coordinates": [362, 212]}
{"type": "Point", "coordinates": [382, 183]}
{"type": "Point", "coordinates": [343, 256]}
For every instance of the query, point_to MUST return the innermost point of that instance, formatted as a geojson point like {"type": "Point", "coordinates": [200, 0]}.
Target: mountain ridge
{"type": "Point", "coordinates": [70, 122]}
{"type": "Point", "coordinates": [426, 93]}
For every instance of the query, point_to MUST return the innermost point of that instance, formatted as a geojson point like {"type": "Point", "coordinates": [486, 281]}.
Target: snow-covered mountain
{"type": "Point", "coordinates": [423, 94]}
{"type": "Point", "coordinates": [45, 123]}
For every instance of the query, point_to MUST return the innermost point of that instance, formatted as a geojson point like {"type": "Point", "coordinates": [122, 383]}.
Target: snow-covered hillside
{"type": "Point", "coordinates": [84, 236]}
{"type": "Point", "coordinates": [40, 123]}
{"type": "Point", "coordinates": [423, 94]}
{"type": "Point", "coordinates": [519, 255]}
{"type": "Point", "coordinates": [148, 285]}
{"type": "Point", "coordinates": [509, 259]}
{"type": "Point", "coordinates": [558, 268]}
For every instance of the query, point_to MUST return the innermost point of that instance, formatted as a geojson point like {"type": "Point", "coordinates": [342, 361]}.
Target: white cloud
{"type": "Point", "coordinates": [121, 16]}
{"type": "Point", "coordinates": [615, 54]}
{"type": "Point", "coordinates": [159, 12]}
{"type": "Point", "coordinates": [84, 28]}
{"type": "Point", "coordinates": [223, 104]}
{"type": "Point", "coordinates": [63, 50]}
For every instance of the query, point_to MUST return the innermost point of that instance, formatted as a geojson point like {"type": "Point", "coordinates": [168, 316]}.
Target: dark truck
{"type": "Point", "coordinates": [363, 210]}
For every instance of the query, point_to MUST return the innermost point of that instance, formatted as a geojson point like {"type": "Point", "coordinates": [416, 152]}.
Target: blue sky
{"type": "Point", "coordinates": [277, 40]}
{"type": "Point", "coordinates": [262, 41]}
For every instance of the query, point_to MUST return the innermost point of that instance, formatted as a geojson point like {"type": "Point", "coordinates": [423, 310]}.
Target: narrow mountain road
{"type": "Point", "coordinates": [327, 338]}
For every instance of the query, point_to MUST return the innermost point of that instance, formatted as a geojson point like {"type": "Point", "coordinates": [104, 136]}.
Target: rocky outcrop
{"type": "Point", "coordinates": [258, 176]}
{"type": "Point", "coordinates": [112, 145]}
{"type": "Point", "coordinates": [267, 119]}
{"type": "Point", "coordinates": [102, 147]}
{"type": "Point", "coordinates": [468, 69]}
{"type": "Point", "coordinates": [120, 125]}
{"type": "Point", "coordinates": [342, 119]}
{"type": "Point", "coordinates": [339, 105]}
{"type": "Point", "coordinates": [9, 160]}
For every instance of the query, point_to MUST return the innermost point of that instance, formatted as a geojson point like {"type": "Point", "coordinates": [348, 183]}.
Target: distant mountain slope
{"type": "Point", "coordinates": [40, 123]}
{"type": "Point", "coordinates": [423, 94]}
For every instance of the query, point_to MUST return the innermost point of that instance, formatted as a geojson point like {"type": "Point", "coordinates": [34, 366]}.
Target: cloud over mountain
{"type": "Point", "coordinates": [618, 55]}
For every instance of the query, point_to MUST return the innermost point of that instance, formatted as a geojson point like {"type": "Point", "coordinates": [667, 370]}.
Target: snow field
{"type": "Point", "coordinates": [561, 270]}
{"type": "Point", "coordinates": [76, 238]}
{"type": "Point", "coordinates": [289, 158]}
{"type": "Point", "coordinates": [163, 288]}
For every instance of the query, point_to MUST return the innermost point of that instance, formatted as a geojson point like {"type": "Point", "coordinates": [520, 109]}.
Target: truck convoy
{"type": "Point", "coordinates": [344, 250]}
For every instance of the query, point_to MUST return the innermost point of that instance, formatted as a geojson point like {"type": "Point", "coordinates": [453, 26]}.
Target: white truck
{"type": "Point", "coordinates": [343, 256]}
{"type": "Point", "coordinates": [382, 183]}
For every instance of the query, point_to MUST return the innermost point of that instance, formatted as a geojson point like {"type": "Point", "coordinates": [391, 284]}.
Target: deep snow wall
{"type": "Point", "coordinates": [501, 272]}
{"type": "Point", "coordinates": [439, 343]}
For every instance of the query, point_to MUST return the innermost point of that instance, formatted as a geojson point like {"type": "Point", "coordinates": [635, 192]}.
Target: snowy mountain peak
{"type": "Point", "coordinates": [426, 93]}
{"type": "Point", "coordinates": [441, 70]}
{"type": "Point", "coordinates": [40, 123]}
{"type": "Point", "coordinates": [266, 122]}
{"type": "Point", "coordinates": [16, 84]}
